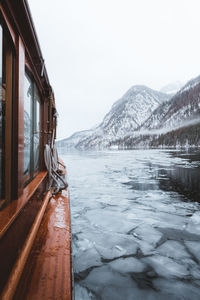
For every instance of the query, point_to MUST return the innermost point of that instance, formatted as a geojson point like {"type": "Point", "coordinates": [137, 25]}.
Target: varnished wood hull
{"type": "Point", "coordinates": [47, 274]}
{"type": "Point", "coordinates": [45, 270]}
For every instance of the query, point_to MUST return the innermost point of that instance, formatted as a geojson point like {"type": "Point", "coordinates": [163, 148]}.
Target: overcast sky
{"type": "Point", "coordinates": [95, 50]}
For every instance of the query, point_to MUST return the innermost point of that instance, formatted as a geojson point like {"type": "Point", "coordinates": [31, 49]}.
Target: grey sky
{"type": "Point", "coordinates": [95, 50]}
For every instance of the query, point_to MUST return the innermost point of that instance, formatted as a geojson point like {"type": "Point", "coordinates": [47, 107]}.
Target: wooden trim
{"type": "Point", "coordinates": [11, 31]}
{"type": "Point", "coordinates": [11, 211]}
{"type": "Point", "coordinates": [25, 28]}
{"type": "Point", "coordinates": [8, 125]}
{"type": "Point", "coordinates": [16, 273]}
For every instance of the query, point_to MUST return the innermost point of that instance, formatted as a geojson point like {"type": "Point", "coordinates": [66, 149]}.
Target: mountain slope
{"type": "Point", "coordinates": [147, 118]}
{"type": "Point", "coordinates": [174, 123]}
{"type": "Point", "coordinates": [185, 105]}
{"type": "Point", "coordinates": [126, 115]}
{"type": "Point", "coordinates": [74, 139]}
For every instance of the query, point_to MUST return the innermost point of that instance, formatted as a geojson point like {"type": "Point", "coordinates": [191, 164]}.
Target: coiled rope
{"type": "Point", "coordinates": [52, 163]}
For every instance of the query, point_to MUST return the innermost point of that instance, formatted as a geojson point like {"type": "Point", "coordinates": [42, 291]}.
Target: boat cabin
{"type": "Point", "coordinates": [27, 123]}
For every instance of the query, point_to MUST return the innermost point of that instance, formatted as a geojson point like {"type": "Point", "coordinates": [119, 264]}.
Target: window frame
{"type": "Point", "coordinates": [33, 112]}
{"type": "Point", "coordinates": [8, 156]}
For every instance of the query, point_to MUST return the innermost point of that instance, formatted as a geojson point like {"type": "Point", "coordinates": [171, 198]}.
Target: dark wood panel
{"type": "Point", "coordinates": [11, 211]}
{"type": "Point", "coordinates": [13, 239]}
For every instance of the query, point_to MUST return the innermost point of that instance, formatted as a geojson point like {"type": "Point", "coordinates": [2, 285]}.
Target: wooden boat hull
{"type": "Point", "coordinates": [44, 268]}
{"type": "Point", "coordinates": [47, 274]}
{"type": "Point", "coordinates": [35, 233]}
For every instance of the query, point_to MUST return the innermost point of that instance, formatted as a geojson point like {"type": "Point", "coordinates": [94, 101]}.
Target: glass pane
{"type": "Point", "coordinates": [27, 125]}
{"type": "Point", "coordinates": [36, 146]}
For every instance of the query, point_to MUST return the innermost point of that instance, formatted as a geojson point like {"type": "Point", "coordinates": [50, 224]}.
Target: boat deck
{"type": "Point", "coordinates": [47, 273]}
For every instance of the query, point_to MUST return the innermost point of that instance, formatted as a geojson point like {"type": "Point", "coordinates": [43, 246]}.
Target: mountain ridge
{"type": "Point", "coordinates": [141, 109]}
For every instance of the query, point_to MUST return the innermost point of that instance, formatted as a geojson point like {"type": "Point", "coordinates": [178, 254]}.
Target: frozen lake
{"type": "Point", "coordinates": [135, 224]}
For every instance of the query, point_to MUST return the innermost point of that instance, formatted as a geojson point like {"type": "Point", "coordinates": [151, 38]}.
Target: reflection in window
{"type": "Point", "coordinates": [36, 128]}
{"type": "Point", "coordinates": [31, 128]}
{"type": "Point", "coordinates": [27, 125]}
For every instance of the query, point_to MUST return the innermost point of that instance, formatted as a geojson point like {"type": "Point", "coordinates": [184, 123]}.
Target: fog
{"type": "Point", "coordinates": [96, 50]}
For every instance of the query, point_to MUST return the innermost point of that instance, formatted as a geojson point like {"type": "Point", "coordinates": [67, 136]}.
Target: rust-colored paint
{"type": "Point", "coordinates": [47, 274]}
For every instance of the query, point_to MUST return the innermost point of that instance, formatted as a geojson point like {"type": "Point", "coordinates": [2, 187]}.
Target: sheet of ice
{"type": "Point", "coordinates": [135, 234]}
{"type": "Point", "coordinates": [87, 259]}
{"type": "Point", "coordinates": [110, 285]}
{"type": "Point", "coordinates": [193, 225]}
{"type": "Point", "coordinates": [148, 233]}
{"type": "Point", "coordinates": [118, 293]}
{"type": "Point", "coordinates": [184, 291]}
{"type": "Point", "coordinates": [105, 276]}
{"type": "Point", "coordinates": [173, 249]}
{"type": "Point", "coordinates": [167, 267]}
{"type": "Point", "coordinates": [109, 221]}
{"type": "Point", "coordinates": [194, 248]}
{"type": "Point", "coordinates": [82, 293]}
{"type": "Point", "coordinates": [126, 265]}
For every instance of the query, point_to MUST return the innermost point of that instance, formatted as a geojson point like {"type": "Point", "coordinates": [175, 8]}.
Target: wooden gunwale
{"type": "Point", "coordinates": [19, 265]}
{"type": "Point", "coordinates": [11, 211]}
{"type": "Point", "coordinates": [48, 270]}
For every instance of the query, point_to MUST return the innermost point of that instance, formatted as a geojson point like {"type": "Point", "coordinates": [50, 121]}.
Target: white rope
{"type": "Point", "coordinates": [52, 167]}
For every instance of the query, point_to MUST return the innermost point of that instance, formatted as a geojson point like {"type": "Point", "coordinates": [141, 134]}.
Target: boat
{"type": "Point", "coordinates": [35, 230]}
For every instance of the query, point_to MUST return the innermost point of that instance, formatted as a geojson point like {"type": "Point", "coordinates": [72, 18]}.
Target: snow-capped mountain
{"type": "Point", "coordinates": [74, 139]}
{"type": "Point", "coordinates": [145, 117]}
{"type": "Point", "coordinates": [126, 115]}
{"type": "Point", "coordinates": [174, 123]}
{"type": "Point", "coordinates": [132, 110]}
{"type": "Point", "coordinates": [181, 108]}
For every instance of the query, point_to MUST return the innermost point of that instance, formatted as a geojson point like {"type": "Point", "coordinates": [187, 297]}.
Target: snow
{"type": "Point", "coordinates": [125, 116]}
{"type": "Point", "coordinates": [142, 111]}
{"type": "Point", "coordinates": [190, 85]}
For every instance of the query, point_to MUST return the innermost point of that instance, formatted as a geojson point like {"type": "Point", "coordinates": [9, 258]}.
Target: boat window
{"type": "Point", "coordinates": [31, 129]}
{"type": "Point", "coordinates": [36, 128]}
{"type": "Point", "coordinates": [28, 95]}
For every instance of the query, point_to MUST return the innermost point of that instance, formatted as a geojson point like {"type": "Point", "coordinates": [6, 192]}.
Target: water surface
{"type": "Point", "coordinates": [135, 224]}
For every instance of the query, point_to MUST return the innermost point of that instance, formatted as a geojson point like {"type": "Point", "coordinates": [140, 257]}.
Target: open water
{"type": "Point", "coordinates": [135, 224]}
